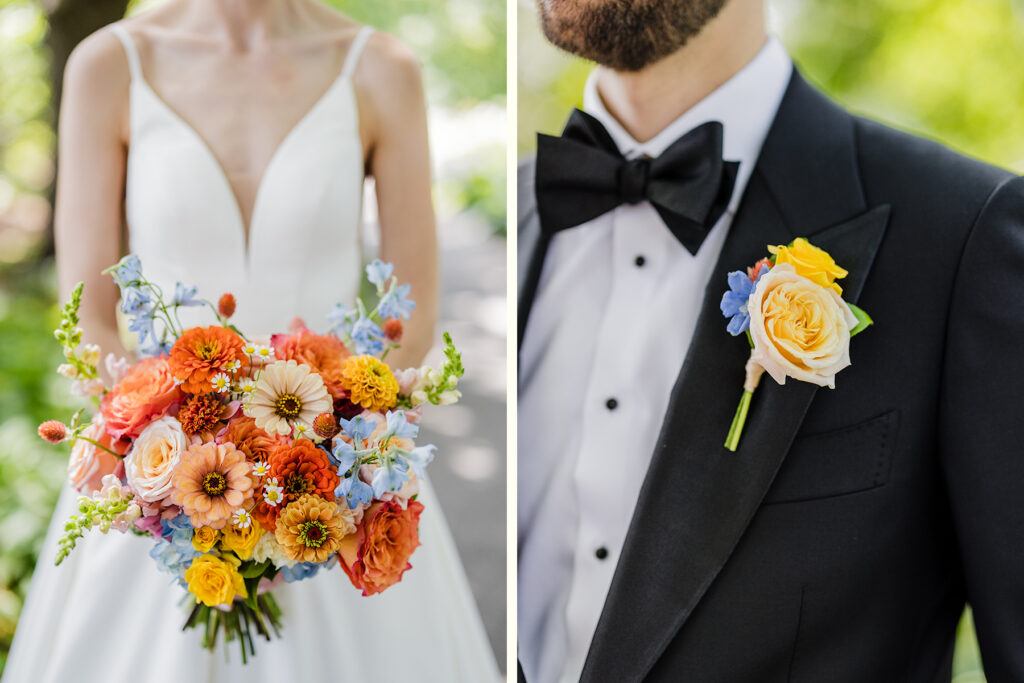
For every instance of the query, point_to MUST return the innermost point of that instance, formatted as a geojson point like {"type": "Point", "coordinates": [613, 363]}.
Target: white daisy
{"type": "Point", "coordinates": [260, 468]}
{"type": "Point", "coordinates": [246, 386]}
{"type": "Point", "coordinates": [241, 519]}
{"type": "Point", "coordinates": [272, 493]}
{"type": "Point", "coordinates": [221, 382]}
{"type": "Point", "coordinates": [288, 395]}
{"type": "Point", "coordinates": [233, 366]}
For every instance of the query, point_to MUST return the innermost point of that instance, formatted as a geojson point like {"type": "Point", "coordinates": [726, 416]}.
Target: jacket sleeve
{"type": "Point", "coordinates": [981, 426]}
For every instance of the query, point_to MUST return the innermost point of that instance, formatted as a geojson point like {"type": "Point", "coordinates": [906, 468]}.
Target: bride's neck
{"type": "Point", "coordinates": [246, 23]}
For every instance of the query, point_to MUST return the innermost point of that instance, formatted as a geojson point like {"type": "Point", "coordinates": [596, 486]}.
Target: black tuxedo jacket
{"type": "Point", "coordinates": [842, 539]}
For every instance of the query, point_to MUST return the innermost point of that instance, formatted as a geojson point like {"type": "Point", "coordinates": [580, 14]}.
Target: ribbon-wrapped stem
{"type": "Point", "coordinates": [753, 378]}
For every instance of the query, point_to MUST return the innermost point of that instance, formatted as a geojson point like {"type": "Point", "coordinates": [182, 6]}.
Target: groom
{"type": "Point", "coordinates": [842, 539]}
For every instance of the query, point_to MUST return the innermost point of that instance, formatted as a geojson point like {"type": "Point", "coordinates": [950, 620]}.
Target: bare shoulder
{"type": "Point", "coordinates": [389, 73]}
{"type": "Point", "coordinates": [98, 64]}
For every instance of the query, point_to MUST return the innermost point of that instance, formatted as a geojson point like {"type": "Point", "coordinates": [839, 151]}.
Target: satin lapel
{"type": "Point", "coordinates": [698, 498]}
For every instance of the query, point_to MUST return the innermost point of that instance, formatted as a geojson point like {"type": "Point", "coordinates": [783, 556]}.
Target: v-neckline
{"type": "Point", "coordinates": [247, 229]}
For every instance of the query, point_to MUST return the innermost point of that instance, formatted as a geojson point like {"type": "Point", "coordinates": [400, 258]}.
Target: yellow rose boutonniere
{"type": "Point", "coordinates": [204, 538]}
{"type": "Point", "coordinates": [797, 324]}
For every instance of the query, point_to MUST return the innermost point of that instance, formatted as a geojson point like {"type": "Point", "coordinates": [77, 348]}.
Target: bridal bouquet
{"type": "Point", "coordinates": [249, 462]}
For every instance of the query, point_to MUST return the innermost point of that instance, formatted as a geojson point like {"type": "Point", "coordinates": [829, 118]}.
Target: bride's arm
{"type": "Point", "coordinates": [90, 182]}
{"type": "Point", "coordinates": [394, 119]}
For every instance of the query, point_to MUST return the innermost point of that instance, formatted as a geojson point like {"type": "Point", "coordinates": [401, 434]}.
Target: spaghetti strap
{"type": "Point", "coordinates": [352, 58]}
{"type": "Point", "coordinates": [129, 49]}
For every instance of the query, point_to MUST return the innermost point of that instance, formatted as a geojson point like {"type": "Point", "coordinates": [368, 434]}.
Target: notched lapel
{"type": "Point", "coordinates": [698, 498]}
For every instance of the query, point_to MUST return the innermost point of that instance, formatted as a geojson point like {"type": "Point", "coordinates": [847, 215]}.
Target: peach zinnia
{"type": "Point", "coordinates": [250, 439]}
{"type": "Point", "coordinates": [370, 383]}
{"type": "Point", "coordinates": [203, 352]}
{"type": "Point", "coordinates": [210, 482]}
{"type": "Point", "coordinates": [310, 529]}
{"type": "Point", "coordinates": [287, 396]}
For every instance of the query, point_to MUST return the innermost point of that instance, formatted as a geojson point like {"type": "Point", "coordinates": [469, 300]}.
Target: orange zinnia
{"type": "Point", "coordinates": [323, 353]}
{"type": "Point", "coordinates": [202, 352]}
{"type": "Point", "coordinates": [300, 468]}
{"type": "Point", "coordinates": [310, 529]}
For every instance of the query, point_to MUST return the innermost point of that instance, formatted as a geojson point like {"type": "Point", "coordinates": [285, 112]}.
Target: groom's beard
{"type": "Point", "coordinates": [625, 35]}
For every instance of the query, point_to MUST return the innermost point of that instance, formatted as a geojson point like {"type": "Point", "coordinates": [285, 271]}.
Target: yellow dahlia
{"type": "Point", "coordinates": [288, 396]}
{"type": "Point", "coordinates": [370, 383]}
{"type": "Point", "coordinates": [310, 529]}
{"type": "Point", "coordinates": [210, 482]}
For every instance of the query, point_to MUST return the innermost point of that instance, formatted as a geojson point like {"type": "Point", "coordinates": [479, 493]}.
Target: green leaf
{"type": "Point", "coordinates": [863, 320]}
{"type": "Point", "coordinates": [250, 569]}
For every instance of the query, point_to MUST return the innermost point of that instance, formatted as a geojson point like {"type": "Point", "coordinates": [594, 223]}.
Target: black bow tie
{"type": "Point", "coordinates": [582, 175]}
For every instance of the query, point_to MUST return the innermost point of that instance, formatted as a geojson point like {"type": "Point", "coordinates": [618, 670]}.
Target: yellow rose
{"type": "Point", "coordinates": [810, 262]}
{"type": "Point", "coordinates": [242, 541]}
{"type": "Point", "coordinates": [215, 580]}
{"type": "Point", "coordinates": [799, 328]}
{"type": "Point", "coordinates": [204, 538]}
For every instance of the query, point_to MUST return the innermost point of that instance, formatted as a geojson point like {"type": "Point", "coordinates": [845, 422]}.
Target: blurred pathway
{"type": "Point", "coordinates": [469, 471]}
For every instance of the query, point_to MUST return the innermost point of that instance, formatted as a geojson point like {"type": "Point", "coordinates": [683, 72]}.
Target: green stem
{"type": "Point", "coordinates": [732, 441]}
{"type": "Point", "coordinates": [99, 445]}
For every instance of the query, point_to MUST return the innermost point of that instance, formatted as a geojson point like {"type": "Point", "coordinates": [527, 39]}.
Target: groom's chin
{"type": "Point", "coordinates": [625, 35]}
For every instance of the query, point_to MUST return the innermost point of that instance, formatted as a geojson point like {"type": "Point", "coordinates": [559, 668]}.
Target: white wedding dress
{"type": "Point", "coordinates": [107, 613]}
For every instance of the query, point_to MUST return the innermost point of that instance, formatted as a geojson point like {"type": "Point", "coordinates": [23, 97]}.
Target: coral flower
{"type": "Point", "coordinates": [376, 556]}
{"type": "Point", "coordinates": [203, 352]}
{"type": "Point", "coordinates": [393, 329]}
{"type": "Point", "coordinates": [200, 413]}
{"type": "Point", "coordinates": [250, 439]}
{"type": "Point", "coordinates": [144, 394]}
{"type": "Point", "coordinates": [323, 353]}
{"type": "Point", "coordinates": [210, 482]}
{"type": "Point", "coordinates": [310, 529]}
{"type": "Point", "coordinates": [370, 383]}
{"type": "Point", "coordinates": [287, 396]}
{"type": "Point", "coordinates": [226, 305]}
{"type": "Point", "coordinates": [54, 431]}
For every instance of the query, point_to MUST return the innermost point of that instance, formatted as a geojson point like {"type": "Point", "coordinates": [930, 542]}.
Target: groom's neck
{"type": "Point", "coordinates": [647, 101]}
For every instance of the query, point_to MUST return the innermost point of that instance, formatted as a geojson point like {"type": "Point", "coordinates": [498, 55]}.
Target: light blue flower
{"type": "Point", "coordinates": [341, 318]}
{"type": "Point", "coordinates": [367, 336]}
{"type": "Point", "coordinates": [734, 301]}
{"type": "Point", "coordinates": [136, 301]}
{"type": "Point", "coordinates": [378, 273]}
{"type": "Point", "coordinates": [399, 426]}
{"type": "Point", "coordinates": [419, 457]}
{"type": "Point", "coordinates": [343, 457]}
{"type": "Point", "coordinates": [143, 325]}
{"type": "Point", "coordinates": [390, 476]}
{"type": "Point", "coordinates": [186, 296]}
{"type": "Point", "coordinates": [127, 271]}
{"type": "Point", "coordinates": [396, 303]}
{"type": "Point", "coordinates": [358, 427]}
{"type": "Point", "coordinates": [355, 491]}
{"type": "Point", "coordinates": [174, 555]}
{"type": "Point", "coordinates": [300, 571]}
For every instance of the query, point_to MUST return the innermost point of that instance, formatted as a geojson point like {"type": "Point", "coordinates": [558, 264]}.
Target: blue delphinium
{"type": "Point", "coordinates": [378, 273]}
{"type": "Point", "coordinates": [186, 296]}
{"type": "Point", "coordinates": [341, 318]}
{"type": "Point", "coordinates": [355, 491]}
{"type": "Point", "coordinates": [419, 457]}
{"type": "Point", "coordinates": [399, 426]}
{"type": "Point", "coordinates": [391, 475]}
{"type": "Point", "coordinates": [396, 303]}
{"type": "Point", "coordinates": [367, 337]}
{"type": "Point", "coordinates": [734, 301]}
{"type": "Point", "coordinates": [303, 570]}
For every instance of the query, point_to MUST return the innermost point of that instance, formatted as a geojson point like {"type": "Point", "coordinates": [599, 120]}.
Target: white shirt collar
{"type": "Point", "coordinates": [745, 105]}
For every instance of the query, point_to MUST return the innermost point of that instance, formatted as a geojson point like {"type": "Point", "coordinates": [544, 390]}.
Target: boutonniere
{"type": "Point", "coordinates": [791, 309]}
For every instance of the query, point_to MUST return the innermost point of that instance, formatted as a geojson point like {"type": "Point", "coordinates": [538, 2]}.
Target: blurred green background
{"type": "Point", "coordinates": [461, 44]}
{"type": "Point", "coordinates": [951, 70]}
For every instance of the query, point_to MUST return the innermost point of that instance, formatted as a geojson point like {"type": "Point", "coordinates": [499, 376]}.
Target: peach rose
{"type": "Point", "coordinates": [377, 554]}
{"type": "Point", "coordinates": [145, 393]}
{"type": "Point", "coordinates": [89, 464]}
{"type": "Point", "coordinates": [151, 462]}
{"type": "Point", "coordinates": [800, 329]}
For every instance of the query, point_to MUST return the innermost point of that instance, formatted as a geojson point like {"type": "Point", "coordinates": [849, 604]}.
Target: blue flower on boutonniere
{"type": "Point", "coordinates": [734, 301]}
{"type": "Point", "coordinates": [796, 322]}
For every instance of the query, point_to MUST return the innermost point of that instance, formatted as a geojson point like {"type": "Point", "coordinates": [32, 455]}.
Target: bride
{"type": "Point", "coordinates": [225, 142]}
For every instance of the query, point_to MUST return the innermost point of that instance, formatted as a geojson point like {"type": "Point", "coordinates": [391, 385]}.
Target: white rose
{"type": "Point", "coordinates": [800, 329]}
{"type": "Point", "coordinates": [151, 462]}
